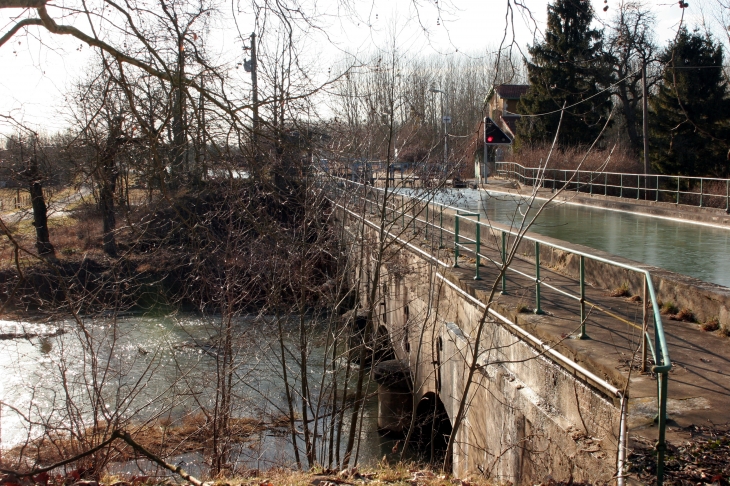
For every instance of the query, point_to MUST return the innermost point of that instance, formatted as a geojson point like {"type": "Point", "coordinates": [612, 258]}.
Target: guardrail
{"type": "Point", "coordinates": [687, 191]}
{"type": "Point", "coordinates": [422, 213]}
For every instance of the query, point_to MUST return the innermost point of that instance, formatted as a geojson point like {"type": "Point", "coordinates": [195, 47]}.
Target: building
{"type": "Point", "coordinates": [502, 102]}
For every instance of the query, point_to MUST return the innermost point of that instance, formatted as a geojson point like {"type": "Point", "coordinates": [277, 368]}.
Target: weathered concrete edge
{"type": "Point", "coordinates": [531, 324]}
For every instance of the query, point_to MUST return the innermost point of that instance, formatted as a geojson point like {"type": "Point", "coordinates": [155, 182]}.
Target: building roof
{"type": "Point", "coordinates": [511, 91]}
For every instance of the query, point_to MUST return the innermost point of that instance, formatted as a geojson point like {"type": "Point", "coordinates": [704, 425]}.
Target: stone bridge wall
{"type": "Point", "coordinates": [527, 418]}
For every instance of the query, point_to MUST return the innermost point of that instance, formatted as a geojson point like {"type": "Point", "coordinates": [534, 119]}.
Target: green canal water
{"type": "Point", "coordinates": [696, 250]}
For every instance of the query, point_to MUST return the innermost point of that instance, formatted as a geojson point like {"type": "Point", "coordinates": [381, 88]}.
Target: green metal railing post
{"type": "Point", "coordinates": [590, 182]}
{"type": "Point", "coordinates": [621, 184]}
{"type": "Point", "coordinates": [657, 188]}
{"type": "Point", "coordinates": [605, 184]}
{"type": "Point", "coordinates": [478, 248]}
{"type": "Point", "coordinates": [402, 211]}
{"type": "Point", "coordinates": [638, 187]}
{"type": "Point", "coordinates": [727, 195]}
{"type": "Point", "coordinates": [504, 262]}
{"type": "Point", "coordinates": [413, 215]}
{"type": "Point", "coordinates": [645, 325]}
{"type": "Point", "coordinates": [661, 445]}
{"type": "Point", "coordinates": [427, 221]}
{"type": "Point", "coordinates": [456, 240]}
{"type": "Point", "coordinates": [677, 190]}
{"type": "Point", "coordinates": [702, 190]}
{"type": "Point", "coordinates": [582, 298]}
{"type": "Point", "coordinates": [441, 227]}
{"type": "Point", "coordinates": [538, 308]}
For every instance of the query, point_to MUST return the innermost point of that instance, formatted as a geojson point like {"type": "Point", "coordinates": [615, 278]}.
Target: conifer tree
{"type": "Point", "coordinates": [568, 67]}
{"type": "Point", "coordinates": [690, 111]}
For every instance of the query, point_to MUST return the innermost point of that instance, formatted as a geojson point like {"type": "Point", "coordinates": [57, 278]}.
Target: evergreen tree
{"type": "Point", "coordinates": [689, 119]}
{"type": "Point", "coordinates": [568, 67]}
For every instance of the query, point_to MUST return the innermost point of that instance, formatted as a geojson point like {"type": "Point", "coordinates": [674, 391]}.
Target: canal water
{"type": "Point", "coordinates": [700, 251]}
{"type": "Point", "coordinates": [152, 368]}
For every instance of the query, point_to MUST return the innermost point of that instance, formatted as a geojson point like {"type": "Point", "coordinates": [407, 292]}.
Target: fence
{"type": "Point", "coordinates": [422, 214]}
{"type": "Point", "coordinates": [21, 201]}
{"type": "Point", "coordinates": [689, 191]}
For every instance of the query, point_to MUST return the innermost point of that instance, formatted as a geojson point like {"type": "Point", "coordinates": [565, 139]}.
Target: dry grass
{"type": "Point", "coordinates": [669, 308]}
{"type": "Point", "coordinates": [685, 315]}
{"type": "Point", "coordinates": [401, 474]}
{"type": "Point", "coordinates": [163, 437]}
{"type": "Point", "coordinates": [622, 159]}
{"type": "Point", "coordinates": [68, 235]}
{"type": "Point", "coordinates": [622, 291]}
{"type": "Point", "coordinates": [712, 324]}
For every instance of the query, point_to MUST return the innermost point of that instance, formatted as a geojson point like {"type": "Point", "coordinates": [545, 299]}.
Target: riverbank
{"type": "Point", "coordinates": [399, 474]}
{"type": "Point", "coordinates": [163, 437]}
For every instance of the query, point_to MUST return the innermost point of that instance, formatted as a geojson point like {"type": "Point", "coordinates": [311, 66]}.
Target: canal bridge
{"type": "Point", "coordinates": [549, 359]}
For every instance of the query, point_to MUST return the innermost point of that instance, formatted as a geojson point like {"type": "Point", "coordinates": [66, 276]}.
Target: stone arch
{"type": "Point", "coordinates": [432, 427]}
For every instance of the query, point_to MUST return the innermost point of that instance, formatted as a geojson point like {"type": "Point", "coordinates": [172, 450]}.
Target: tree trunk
{"type": "Point", "coordinates": [179, 135]}
{"type": "Point", "coordinates": [40, 215]}
{"type": "Point", "coordinates": [109, 176]}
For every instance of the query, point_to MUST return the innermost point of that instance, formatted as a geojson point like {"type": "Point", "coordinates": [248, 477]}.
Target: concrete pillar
{"type": "Point", "coordinates": [395, 396]}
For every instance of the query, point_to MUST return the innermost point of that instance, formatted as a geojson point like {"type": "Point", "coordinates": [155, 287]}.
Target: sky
{"type": "Point", "coordinates": [37, 69]}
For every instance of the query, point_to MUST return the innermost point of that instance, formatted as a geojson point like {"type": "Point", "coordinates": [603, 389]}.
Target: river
{"type": "Point", "coordinates": [156, 367]}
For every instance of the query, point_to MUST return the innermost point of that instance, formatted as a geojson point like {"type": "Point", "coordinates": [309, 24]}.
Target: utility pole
{"type": "Point", "coordinates": [445, 119]}
{"type": "Point", "coordinates": [483, 173]}
{"type": "Point", "coordinates": [255, 97]}
{"type": "Point", "coordinates": [645, 105]}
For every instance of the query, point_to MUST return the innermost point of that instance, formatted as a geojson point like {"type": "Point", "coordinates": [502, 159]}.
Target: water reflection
{"type": "Point", "coordinates": [685, 248]}
{"type": "Point", "coordinates": [152, 368]}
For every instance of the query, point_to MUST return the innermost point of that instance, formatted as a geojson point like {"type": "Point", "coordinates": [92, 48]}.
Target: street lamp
{"type": "Point", "coordinates": [445, 119]}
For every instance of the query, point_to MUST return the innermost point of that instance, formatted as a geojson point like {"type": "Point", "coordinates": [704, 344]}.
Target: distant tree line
{"type": "Point", "coordinates": [583, 74]}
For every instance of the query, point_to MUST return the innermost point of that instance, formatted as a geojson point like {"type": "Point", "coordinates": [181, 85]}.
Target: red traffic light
{"type": "Point", "coordinates": [493, 135]}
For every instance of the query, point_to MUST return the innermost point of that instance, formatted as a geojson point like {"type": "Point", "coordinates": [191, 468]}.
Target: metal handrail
{"type": "Point", "coordinates": [659, 349]}
{"type": "Point", "coordinates": [654, 187]}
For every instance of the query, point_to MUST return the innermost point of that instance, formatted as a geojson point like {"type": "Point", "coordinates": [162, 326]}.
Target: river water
{"type": "Point", "coordinates": [700, 251]}
{"type": "Point", "coordinates": [151, 368]}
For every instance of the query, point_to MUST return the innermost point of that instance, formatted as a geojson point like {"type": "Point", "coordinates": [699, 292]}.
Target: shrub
{"type": "Point", "coordinates": [712, 324]}
{"type": "Point", "coordinates": [622, 291]}
{"type": "Point", "coordinates": [685, 315]}
{"type": "Point", "coordinates": [669, 308]}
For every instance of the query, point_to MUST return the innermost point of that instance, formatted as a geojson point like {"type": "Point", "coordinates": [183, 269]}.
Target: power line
{"type": "Point", "coordinates": [611, 86]}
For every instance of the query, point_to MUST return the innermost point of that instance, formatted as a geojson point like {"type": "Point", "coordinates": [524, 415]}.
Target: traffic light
{"type": "Point", "coordinates": [493, 135]}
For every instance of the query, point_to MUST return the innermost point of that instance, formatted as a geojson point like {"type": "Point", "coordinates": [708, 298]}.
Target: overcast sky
{"type": "Point", "coordinates": [38, 68]}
